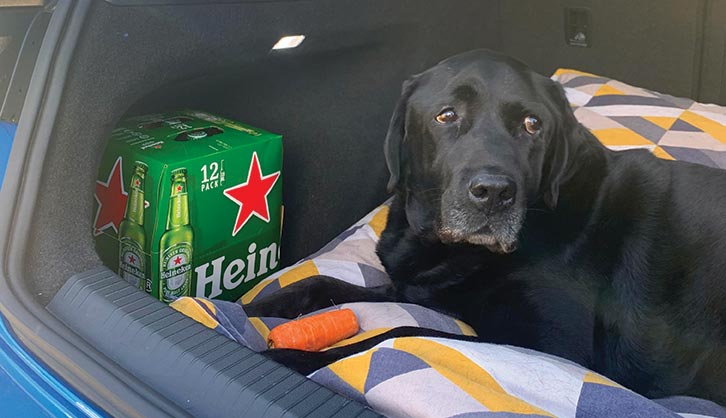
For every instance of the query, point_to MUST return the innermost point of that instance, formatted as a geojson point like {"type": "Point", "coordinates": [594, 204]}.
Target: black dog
{"type": "Point", "coordinates": [511, 216]}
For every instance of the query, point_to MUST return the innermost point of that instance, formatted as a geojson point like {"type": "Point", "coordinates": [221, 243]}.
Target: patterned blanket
{"type": "Point", "coordinates": [625, 117]}
{"type": "Point", "coordinates": [432, 377]}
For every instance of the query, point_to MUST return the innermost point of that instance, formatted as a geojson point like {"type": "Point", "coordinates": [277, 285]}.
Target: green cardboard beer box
{"type": "Point", "coordinates": [189, 204]}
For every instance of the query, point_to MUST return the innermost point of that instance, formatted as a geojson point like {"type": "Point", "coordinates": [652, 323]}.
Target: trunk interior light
{"type": "Point", "coordinates": [287, 42]}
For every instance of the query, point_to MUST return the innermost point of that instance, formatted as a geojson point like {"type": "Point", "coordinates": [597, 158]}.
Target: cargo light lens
{"type": "Point", "coordinates": [287, 42]}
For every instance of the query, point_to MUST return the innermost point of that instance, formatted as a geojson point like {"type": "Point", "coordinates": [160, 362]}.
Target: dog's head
{"type": "Point", "coordinates": [472, 142]}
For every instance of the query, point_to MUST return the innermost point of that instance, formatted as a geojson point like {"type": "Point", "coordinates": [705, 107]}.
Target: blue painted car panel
{"type": "Point", "coordinates": [7, 133]}
{"type": "Point", "coordinates": [16, 401]}
{"type": "Point", "coordinates": [29, 389]}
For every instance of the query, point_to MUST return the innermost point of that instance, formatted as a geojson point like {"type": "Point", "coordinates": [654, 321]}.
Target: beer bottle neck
{"type": "Point", "coordinates": [178, 205]}
{"type": "Point", "coordinates": [135, 203]}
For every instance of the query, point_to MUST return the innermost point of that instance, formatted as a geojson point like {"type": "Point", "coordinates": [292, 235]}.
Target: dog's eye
{"type": "Point", "coordinates": [532, 125]}
{"type": "Point", "coordinates": [447, 115]}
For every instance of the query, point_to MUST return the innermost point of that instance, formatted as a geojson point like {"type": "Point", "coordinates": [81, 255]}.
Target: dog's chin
{"type": "Point", "coordinates": [497, 237]}
{"type": "Point", "coordinates": [489, 241]}
{"type": "Point", "coordinates": [493, 244]}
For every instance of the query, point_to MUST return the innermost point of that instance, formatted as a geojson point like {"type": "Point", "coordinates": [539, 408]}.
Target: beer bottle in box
{"type": "Point", "coordinates": [176, 244]}
{"type": "Point", "coordinates": [132, 237]}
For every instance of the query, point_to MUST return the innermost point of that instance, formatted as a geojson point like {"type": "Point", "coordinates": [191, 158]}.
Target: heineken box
{"type": "Point", "coordinates": [189, 204]}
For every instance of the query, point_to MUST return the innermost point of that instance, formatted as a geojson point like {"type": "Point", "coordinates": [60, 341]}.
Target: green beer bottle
{"type": "Point", "coordinates": [131, 234]}
{"type": "Point", "coordinates": [175, 246]}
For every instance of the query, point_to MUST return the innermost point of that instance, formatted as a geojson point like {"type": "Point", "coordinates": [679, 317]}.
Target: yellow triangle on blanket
{"type": "Point", "coordinates": [662, 121]}
{"type": "Point", "coordinates": [300, 272]}
{"type": "Point", "coordinates": [607, 90]}
{"type": "Point", "coordinates": [260, 327]}
{"type": "Point", "coordinates": [661, 153]}
{"type": "Point", "coordinates": [620, 137]}
{"type": "Point", "coordinates": [465, 328]}
{"type": "Point", "coordinates": [354, 370]}
{"type": "Point", "coordinates": [591, 377]}
{"type": "Point", "coordinates": [378, 222]}
{"type": "Point", "coordinates": [562, 71]}
{"type": "Point", "coordinates": [191, 308]}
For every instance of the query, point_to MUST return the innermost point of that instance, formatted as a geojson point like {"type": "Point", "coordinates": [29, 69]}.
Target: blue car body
{"type": "Point", "coordinates": [27, 387]}
{"type": "Point", "coordinates": [7, 133]}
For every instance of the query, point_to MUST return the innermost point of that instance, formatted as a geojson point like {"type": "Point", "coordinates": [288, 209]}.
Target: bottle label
{"type": "Point", "coordinates": [176, 271]}
{"type": "Point", "coordinates": [131, 262]}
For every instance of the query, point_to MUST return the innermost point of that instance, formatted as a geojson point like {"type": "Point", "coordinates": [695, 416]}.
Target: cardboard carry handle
{"type": "Point", "coordinates": [198, 134]}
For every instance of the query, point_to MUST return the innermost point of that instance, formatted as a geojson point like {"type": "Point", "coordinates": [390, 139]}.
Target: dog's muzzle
{"type": "Point", "coordinates": [484, 212]}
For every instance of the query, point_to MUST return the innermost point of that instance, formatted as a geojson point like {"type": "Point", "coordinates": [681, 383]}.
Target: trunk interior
{"type": "Point", "coordinates": [331, 98]}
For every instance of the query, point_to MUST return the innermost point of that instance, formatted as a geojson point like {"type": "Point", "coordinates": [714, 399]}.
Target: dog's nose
{"type": "Point", "coordinates": [492, 192]}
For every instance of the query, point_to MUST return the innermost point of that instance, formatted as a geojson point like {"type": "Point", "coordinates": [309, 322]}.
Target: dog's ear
{"type": "Point", "coordinates": [396, 135]}
{"type": "Point", "coordinates": [557, 156]}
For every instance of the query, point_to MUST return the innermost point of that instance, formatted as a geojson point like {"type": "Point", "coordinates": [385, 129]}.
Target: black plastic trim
{"type": "Point", "coordinates": [202, 371]}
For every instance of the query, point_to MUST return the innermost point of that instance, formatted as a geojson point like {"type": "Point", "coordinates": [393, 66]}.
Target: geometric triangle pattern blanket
{"type": "Point", "coordinates": [624, 117]}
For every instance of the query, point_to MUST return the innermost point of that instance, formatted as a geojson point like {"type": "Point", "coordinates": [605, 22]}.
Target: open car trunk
{"type": "Point", "coordinates": [331, 98]}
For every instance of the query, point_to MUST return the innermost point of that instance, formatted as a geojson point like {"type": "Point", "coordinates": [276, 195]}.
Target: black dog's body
{"type": "Point", "coordinates": [627, 280]}
{"type": "Point", "coordinates": [620, 261]}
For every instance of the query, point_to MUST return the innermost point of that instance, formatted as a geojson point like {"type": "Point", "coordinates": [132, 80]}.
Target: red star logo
{"type": "Point", "coordinates": [111, 198]}
{"type": "Point", "coordinates": [251, 196]}
{"type": "Point", "coordinates": [178, 188]}
{"type": "Point", "coordinates": [132, 259]}
{"type": "Point", "coordinates": [177, 261]}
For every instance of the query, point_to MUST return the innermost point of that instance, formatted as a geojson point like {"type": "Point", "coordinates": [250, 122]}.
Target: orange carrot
{"type": "Point", "coordinates": [315, 332]}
